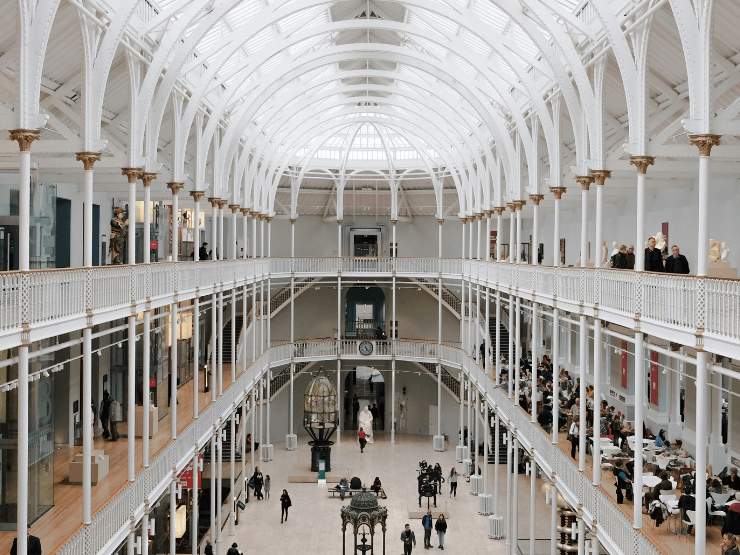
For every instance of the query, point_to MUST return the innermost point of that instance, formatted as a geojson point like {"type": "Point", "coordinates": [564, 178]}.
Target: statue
{"type": "Point", "coordinates": [604, 253]}
{"type": "Point", "coordinates": [714, 251]}
{"type": "Point", "coordinates": [118, 229]}
{"type": "Point", "coordinates": [366, 423]}
{"type": "Point", "coordinates": [615, 248]}
{"type": "Point", "coordinates": [725, 251]}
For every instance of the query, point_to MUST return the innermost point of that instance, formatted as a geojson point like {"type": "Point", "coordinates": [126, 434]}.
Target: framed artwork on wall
{"type": "Point", "coordinates": [562, 251]}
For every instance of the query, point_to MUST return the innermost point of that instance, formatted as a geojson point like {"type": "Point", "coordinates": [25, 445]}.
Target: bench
{"type": "Point", "coordinates": [333, 492]}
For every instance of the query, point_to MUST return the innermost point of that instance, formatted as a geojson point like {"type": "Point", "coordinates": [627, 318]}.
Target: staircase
{"type": "Point", "coordinates": [504, 334]}
{"type": "Point", "coordinates": [501, 447]}
{"type": "Point", "coordinates": [225, 445]}
{"type": "Point", "coordinates": [226, 334]}
{"type": "Point", "coordinates": [449, 299]}
{"type": "Point", "coordinates": [281, 380]}
{"type": "Point", "coordinates": [448, 380]}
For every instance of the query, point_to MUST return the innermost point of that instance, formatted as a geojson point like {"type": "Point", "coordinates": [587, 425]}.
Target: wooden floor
{"type": "Point", "coordinates": [64, 519]}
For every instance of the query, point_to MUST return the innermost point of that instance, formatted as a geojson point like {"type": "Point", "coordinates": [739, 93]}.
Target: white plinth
{"type": "Point", "coordinates": [462, 452]}
{"type": "Point", "coordinates": [266, 452]}
{"type": "Point", "coordinates": [495, 527]}
{"type": "Point", "coordinates": [467, 465]}
{"type": "Point", "coordinates": [291, 442]}
{"type": "Point", "coordinates": [476, 484]}
{"type": "Point", "coordinates": [485, 503]}
{"type": "Point", "coordinates": [439, 443]}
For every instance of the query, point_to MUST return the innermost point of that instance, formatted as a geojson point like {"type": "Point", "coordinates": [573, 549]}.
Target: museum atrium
{"type": "Point", "coordinates": [453, 214]}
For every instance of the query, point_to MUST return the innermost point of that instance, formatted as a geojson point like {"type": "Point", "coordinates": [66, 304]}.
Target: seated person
{"type": "Point", "coordinates": [376, 485]}
{"type": "Point", "coordinates": [249, 444]}
{"type": "Point", "coordinates": [665, 484]}
{"type": "Point", "coordinates": [544, 419]}
{"type": "Point", "coordinates": [660, 439]}
{"type": "Point", "coordinates": [715, 486]}
{"type": "Point", "coordinates": [682, 453]}
{"type": "Point", "coordinates": [342, 487]}
{"type": "Point", "coordinates": [731, 480]}
{"type": "Point", "coordinates": [355, 483]}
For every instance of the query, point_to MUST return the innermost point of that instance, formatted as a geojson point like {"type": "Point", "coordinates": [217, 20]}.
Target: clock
{"type": "Point", "coordinates": [366, 348]}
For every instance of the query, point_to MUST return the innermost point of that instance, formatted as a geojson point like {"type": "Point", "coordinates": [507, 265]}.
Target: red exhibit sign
{"type": "Point", "coordinates": [152, 382]}
{"type": "Point", "coordinates": [625, 360]}
{"type": "Point", "coordinates": [654, 373]}
{"type": "Point", "coordinates": [186, 476]}
{"type": "Point", "coordinates": [152, 245]}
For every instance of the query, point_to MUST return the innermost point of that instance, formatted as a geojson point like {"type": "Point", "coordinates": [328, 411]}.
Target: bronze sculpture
{"type": "Point", "coordinates": [118, 229]}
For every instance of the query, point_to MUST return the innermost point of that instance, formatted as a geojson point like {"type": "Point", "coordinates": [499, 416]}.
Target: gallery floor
{"type": "Point", "coordinates": [314, 525]}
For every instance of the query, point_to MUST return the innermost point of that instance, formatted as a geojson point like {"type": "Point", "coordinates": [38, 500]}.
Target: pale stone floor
{"type": "Point", "coordinates": [314, 525]}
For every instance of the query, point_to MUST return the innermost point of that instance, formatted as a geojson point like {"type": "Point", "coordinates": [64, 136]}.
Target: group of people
{"type": "Point", "coordinates": [258, 482]}
{"type": "Point", "coordinates": [655, 261]}
{"type": "Point", "coordinates": [440, 526]}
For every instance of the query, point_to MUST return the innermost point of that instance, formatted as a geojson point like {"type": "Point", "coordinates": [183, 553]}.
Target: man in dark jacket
{"type": "Point", "coordinates": [676, 263]}
{"type": "Point", "coordinates": [426, 522]}
{"type": "Point", "coordinates": [105, 413]}
{"type": "Point", "coordinates": [409, 540]}
{"type": "Point", "coordinates": [631, 258]}
{"type": "Point", "coordinates": [653, 258]}
{"type": "Point", "coordinates": [619, 260]}
{"type": "Point", "coordinates": [33, 544]}
{"type": "Point", "coordinates": [203, 252]}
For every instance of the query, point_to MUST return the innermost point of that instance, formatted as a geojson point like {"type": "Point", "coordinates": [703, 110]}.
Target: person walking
{"type": "Point", "coordinates": [209, 548]}
{"type": "Point", "coordinates": [267, 486]}
{"type": "Point", "coordinates": [105, 413]}
{"type": "Point", "coordinates": [676, 263]}
{"type": "Point", "coordinates": [363, 439]}
{"type": "Point", "coordinates": [114, 417]}
{"type": "Point", "coordinates": [33, 544]}
{"type": "Point", "coordinates": [409, 540]}
{"type": "Point", "coordinates": [441, 527]}
{"type": "Point", "coordinates": [573, 438]}
{"type": "Point", "coordinates": [258, 480]}
{"type": "Point", "coordinates": [426, 522]}
{"type": "Point", "coordinates": [285, 504]}
{"type": "Point", "coordinates": [453, 482]}
{"type": "Point", "coordinates": [233, 550]}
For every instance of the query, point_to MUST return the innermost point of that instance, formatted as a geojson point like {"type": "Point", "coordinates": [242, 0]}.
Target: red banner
{"type": "Point", "coordinates": [186, 477]}
{"type": "Point", "coordinates": [625, 361]}
{"type": "Point", "coordinates": [654, 373]}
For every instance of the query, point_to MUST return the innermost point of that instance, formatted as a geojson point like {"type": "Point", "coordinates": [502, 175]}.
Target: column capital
{"type": "Point", "coordinates": [478, 215]}
{"type": "Point", "coordinates": [293, 220]}
{"type": "Point", "coordinates": [254, 214]}
{"type": "Point", "coordinates": [214, 201]}
{"type": "Point", "coordinates": [268, 218]}
{"type": "Point", "coordinates": [488, 213]}
{"type": "Point", "coordinates": [499, 210]}
{"type": "Point", "coordinates": [511, 206]}
{"type": "Point", "coordinates": [340, 222]}
{"type": "Point", "coordinates": [197, 195]}
{"type": "Point", "coordinates": [245, 211]}
{"type": "Point", "coordinates": [132, 173]}
{"type": "Point", "coordinates": [557, 191]}
{"type": "Point", "coordinates": [536, 199]}
{"type": "Point", "coordinates": [394, 222]}
{"type": "Point", "coordinates": [175, 187]}
{"type": "Point", "coordinates": [24, 137]}
{"type": "Point", "coordinates": [147, 178]}
{"type": "Point", "coordinates": [440, 221]}
{"type": "Point", "coordinates": [234, 208]}
{"type": "Point", "coordinates": [88, 159]}
{"type": "Point", "coordinates": [520, 204]}
{"type": "Point", "coordinates": [642, 163]}
{"type": "Point", "coordinates": [222, 203]}
{"type": "Point", "coordinates": [601, 176]}
{"type": "Point", "coordinates": [584, 181]}
{"type": "Point", "coordinates": [262, 217]}
{"type": "Point", "coordinates": [705, 142]}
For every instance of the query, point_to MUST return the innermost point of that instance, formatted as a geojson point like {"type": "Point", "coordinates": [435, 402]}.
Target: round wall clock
{"type": "Point", "coordinates": [366, 348]}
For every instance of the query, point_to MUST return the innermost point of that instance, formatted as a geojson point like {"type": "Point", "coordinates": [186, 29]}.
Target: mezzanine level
{"type": "Point", "coordinates": [684, 309]}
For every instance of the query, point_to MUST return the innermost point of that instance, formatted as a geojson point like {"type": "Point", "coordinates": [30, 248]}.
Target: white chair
{"type": "Point", "coordinates": [712, 513]}
{"type": "Point", "coordinates": [689, 521]}
{"type": "Point", "coordinates": [669, 500]}
{"type": "Point", "coordinates": [720, 499]}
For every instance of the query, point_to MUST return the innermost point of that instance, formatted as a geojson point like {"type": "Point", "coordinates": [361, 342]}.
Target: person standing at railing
{"type": "Point", "coordinates": [203, 252]}
{"type": "Point", "coordinates": [653, 257]}
{"type": "Point", "coordinates": [619, 260]}
{"type": "Point", "coordinates": [676, 263]}
{"type": "Point", "coordinates": [631, 258]}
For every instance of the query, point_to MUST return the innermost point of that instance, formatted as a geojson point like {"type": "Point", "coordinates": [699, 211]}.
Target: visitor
{"type": "Point", "coordinates": [33, 544]}
{"type": "Point", "coordinates": [624, 482]}
{"type": "Point", "coordinates": [729, 545]}
{"type": "Point", "coordinates": [453, 482]}
{"type": "Point", "coordinates": [731, 480]}
{"type": "Point", "coordinates": [619, 260]}
{"type": "Point", "coordinates": [544, 419]}
{"type": "Point", "coordinates": [653, 258]}
{"type": "Point", "coordinates": [203, 252]}
{"type": "Point", "coordinates": [233, 550]}
{"type": "Point", "coordinates": [114, 417]}
{"type": "Point", "coordinates": [267, 486]}
{"type": "Point", "coordinates": [664, 485]}
{"type": "Point", "coordinates": [438, 474]}
{"type": "Point", "coordinates": [682, 453]}
{"type": "Point", "coordinates": [573, 438]}
{"type": "Point", "coordinates": [355, 408]}
{"type": "Point", "coordinates": [209, 548]}
{"type": "Point", "coordinates": [426, 522]}
{"type": "Point", "coordinates": [363, 440]}
{"type": "Point", "coordinates": [676, 263]}
{"type": "Point", "coordinates": [409, 540]}
{"type": "Point", "coordinates": [375, 412]}
{"type": "Point", "coordinates": [249, 444]}
{"type": "Point", "coordinates": [631, 257]}
{"type": "Point", "coordinates": [660, 439]}
{"type": "Point", "coordinates": [258, 480]}
{"type": "Point", "coordinates": [105, 413]}
{"type": "Point", "coordinates": [285, 504]}
{"type": "Point", "coordinates": [377, 486]}
{"type": "Point", "coordinates": [441, 527]}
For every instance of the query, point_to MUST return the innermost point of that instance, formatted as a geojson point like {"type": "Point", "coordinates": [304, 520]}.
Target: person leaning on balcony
{"type": "Point", "coordinates": [676, 263]}
{"type": "Point", "coordinates": [653, 258]}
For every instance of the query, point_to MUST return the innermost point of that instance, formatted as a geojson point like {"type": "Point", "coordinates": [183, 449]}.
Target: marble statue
{"type": "Point", "coordinates": [118, 229]}
{"type": "Point", "coordinates": [615, 248]}
{"type": "Point", "coordinates": [725, 251]}
{"type": "Point", "coordinates": [714, 251]}
{"type": "Point", "coordinates": [605, 253]}
{"type": "Point", "coordinates": [660, 241]}
{"type": "Point", "coordinates": [366, 423]}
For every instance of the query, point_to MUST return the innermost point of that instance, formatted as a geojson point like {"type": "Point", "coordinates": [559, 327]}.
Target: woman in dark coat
{"type": "Point", "coordinates": [285, 503]}
{"type": "Point", "coordinates": [258, 479]}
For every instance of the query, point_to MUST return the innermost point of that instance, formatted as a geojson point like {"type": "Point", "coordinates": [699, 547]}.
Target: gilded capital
{"type": "Point", "coordinates": [147, 178]}
{"type": "Point", "coordinates": [499, 210]}
{"type": "Point", "coordinates": [536, 199]}
{"type": "Point", "coordinates": [88, 159]}
{"type": "Point", "coordinates": [584, 181]}
{"type": "Point", "coordinates": [175, 187]}
{"type": "Point", "coordinates": [511, 206]}
{"type": "Point", "coordinates": [24, 137]}
{"type": "Point", "coordinates": [642, 163]}
{"type": "Point", "coordinates": [488, 213]}
{"type": "Point", "coordinates": [214, 201]}
{"type": "Point", "coordinates": [557, 191]}
{"type": "Point", "coordinates": [479, 215]}
{"type": "Point", "coordinates": [293, 221]}
{"type": "Point", "coordinates": [132, 173]}
{"type": "Point", "coordinates": [705, 143]}
{"type": "Point", "coordinates": [520, 204]}
{"type": "Point", "coordinates": [262, 217]}
{"type": "Point", "coordinates": [254, 214]}
{"type": "Point", "coordinates": [601, 176]}
{"type": "Point", "coordinates": [197, 195]}
{"type": "Point", "coordinates": [245, 211]}
{"type": "Point", "coordinates": [222, 203]}
{"type": "Point", "coordinates": [234, 208]}
{"type": "Point", "coordinates": [394, 222]}
{"type": "Point", "coordinates": [440, 221]}
{"type": "Point", "coordinates": [268, 218]}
